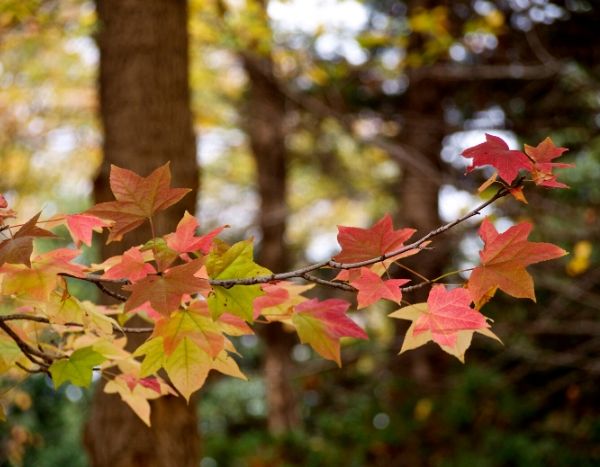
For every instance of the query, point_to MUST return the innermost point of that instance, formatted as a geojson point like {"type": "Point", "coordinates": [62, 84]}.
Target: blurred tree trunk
{"type": "Point", "coordinates": [264, 116]}
{"type": "Point", "coordinates": [145, 111]}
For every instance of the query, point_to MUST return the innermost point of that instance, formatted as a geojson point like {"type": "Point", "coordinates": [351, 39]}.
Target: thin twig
{"type": "Point", "coordinates": [331, 263]}
{"type": "Point", "coordinates": [41, 319]}
{"type": "Point", "coordinates": [32, 354]}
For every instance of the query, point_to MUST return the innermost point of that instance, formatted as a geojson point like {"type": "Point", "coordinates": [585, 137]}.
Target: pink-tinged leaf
{"type": "Point", "coordinates": [371, 288]}
{"type": "Point", "coordinates": [137, 199]}
{"type": "Point", "coordinates": [228, 323]}
{"type": "Point", "coordinates": [321, 324]}
{"type": "Point", "coordinates": [81, 227]}
{"type": "Point", "coordinates": [495, 152]}
{"type": "Point", "coordinates": [165, 291]}
{"type": "Point", "coordinates": [184, 240]}
{"type": "Point", "coordinates": [279, 300]}
{"type": "Point", "coordinates": [132, 267]}
{"type": "Point", "coordinates": [447, 313]}
{"type": "Point", "coordinates": [147, 310]}
{"type": "Point", "coordinates": [137, 392]}
{"type": "Point", "coordinates": [446, 319]}
{"type": "Point", "coordinates": [151, 383]}
{"type": "Point", "coordinates": [543, 154]}
{"type": "Point", "coordinates": [363, 244]}
{"type": "Point", "coordinates": [503, 261]}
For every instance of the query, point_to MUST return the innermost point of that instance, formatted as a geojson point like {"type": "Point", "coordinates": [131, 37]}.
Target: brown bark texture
{"type": "Point", "coordinates": [145, 112]}
{"type": "Point", "coordinates": [264, 116]}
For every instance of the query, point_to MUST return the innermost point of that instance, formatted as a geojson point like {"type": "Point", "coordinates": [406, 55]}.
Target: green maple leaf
{"type": "Point", "coordinates": [236, 262]}
{"type": "Point", "coordinates": [188, 367]}
{"type": "Point", "coordinates": [77, 368]}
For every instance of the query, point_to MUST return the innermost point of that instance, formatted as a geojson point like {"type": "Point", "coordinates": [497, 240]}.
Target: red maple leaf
{"type": "Point", "coordinates": [542, 155]}
{"type": "Point", "coordinates": [448, 311]}
{"type": "Point", "coordinates": [363, 244]}
{"type": "Point", "coordinates": [18, 249]}
{"type": "Point", "coordinates": [137, 199]}
{"type": "Point", "coordinates": [371, 288]}
{"type": "Point", "coordinates": [164, 291]}
{"type": "Point", "coordinates": [503, 261]}
{"type": "Point", "coordinates": [132, 267]}
{"type": "Point", "coordinates": [81, 226]}
{"type": "Point", "coordinates": [184, 239]}
{"type": "Point", "coordinates": [321, 324]}
{"type": "Point", "coordinates": [495, 152]}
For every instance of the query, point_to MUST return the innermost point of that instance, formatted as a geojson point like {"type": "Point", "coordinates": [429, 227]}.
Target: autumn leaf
{"type": "Point", "coordinates": [187, 367]}
{"type": "Point", "coordinates": [136, 392]}
{"type": "Point", "coordinates": [363, 244]}
{"type": "Point", "coordinates": [38, 281]}
{"type": "Point", "coordinates": [77, 368]}
{"type": "Point", "coordinates": [235, 262]}
{"type": "Point", "coordinates": [542, 155]}
{"type": "Point", "coordinates": [137, 199]}
{"type": "Point", "coordinates": [372, 288]}
{"type": "Point", "coordinates": [279, 300]}
{"type": "Point", "coordinates": [17, 250]}
{"type": "Point", "coordinates": [184, 240]}
{"type": "Point", "coordinates": [503, 261]}
{"type": "Point", "coordinates": [495, 152]}
{"type": "Point", "coordinates": [81, 226]}
{"type": "Point", "coordinates": [132, 267]}
{"type": "Point", "coordinates": [445, 313]}
{"type": "Point", "coordinates": [228, 324]}
{"type": "Point", "coordinates": [193, 325]}
{"type": "Point", "coordinates": [321, 324]}
{"type": "Point", "coordinates": [164, 291]}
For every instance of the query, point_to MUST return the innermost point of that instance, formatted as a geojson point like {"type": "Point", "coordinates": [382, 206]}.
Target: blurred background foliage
{"type": "Point", "coordinates": [380, 98]}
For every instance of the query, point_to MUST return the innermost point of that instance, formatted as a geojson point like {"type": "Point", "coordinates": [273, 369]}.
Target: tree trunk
{"type": "Point", "coordinates": [264, 116]}
{"type": "Point", "coordinates": [145, 111]}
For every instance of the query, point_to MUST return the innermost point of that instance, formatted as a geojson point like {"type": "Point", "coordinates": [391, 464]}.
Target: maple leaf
{"type": "Point", "coordinates": [228, 324]}
{"type": "Point", "coordinates": [225, 364]}
{"type": "Point", "coordinates": [503, 261]}
{"type": "Point", "coordinates": [190, 324]}
{"type": "Point", "coordinates": [495, 152]}
{"type": "Point", "coordinates": [445, 314]}
{"type": "Point", "coordinates": [132, 267]}
{"type": "Point", "coordinates": [235, 262]}
{"type": "Point", "coordinates": [17, 250]}
{"type": "Point", "coordinates": [38, 281]}
{"type": "Point", "coordinates": [279, 300]}
{"type": "Point", "coordinates": [137, 392]}
{"type": "Point", "coordinates": [137, 199]}
{"type": "Point", "coordinates": [363, 244]}
{"type": "Point", "coordinates": [187, 367]}
{"type": "Point", "coordinates": [165, 291]}
{"type": "Point", "coordinates": [77, 368]}
{"type": "Point", "coordinates": [184, 239]}
{"type": "Point", "coordinates": [542, 155]}
{"type": "Point", "coordinates": [321, 324]}
{"type": "Point", "coordinates": [80, 227]}
{"type": "Point", "coordinates": [371, 288]}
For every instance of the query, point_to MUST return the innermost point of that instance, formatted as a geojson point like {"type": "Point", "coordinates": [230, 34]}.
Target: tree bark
{"type": "Point", "coordinates": [147, 120]}
{"type": "Point", "coordinates": [264, 116]}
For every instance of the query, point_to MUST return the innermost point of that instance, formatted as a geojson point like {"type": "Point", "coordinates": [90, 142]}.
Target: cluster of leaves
{"type": "Point", "coordinates": [196, 291]}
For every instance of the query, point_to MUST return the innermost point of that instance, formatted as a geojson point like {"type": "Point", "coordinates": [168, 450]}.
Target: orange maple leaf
{"type": "Point", "coordinates": [503, 261]}
{"type": "Point", "coordinates": [138, 198]}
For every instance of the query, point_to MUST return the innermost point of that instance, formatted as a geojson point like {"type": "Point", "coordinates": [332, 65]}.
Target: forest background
{"type": "Point", "coordinates": [306, 115]}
